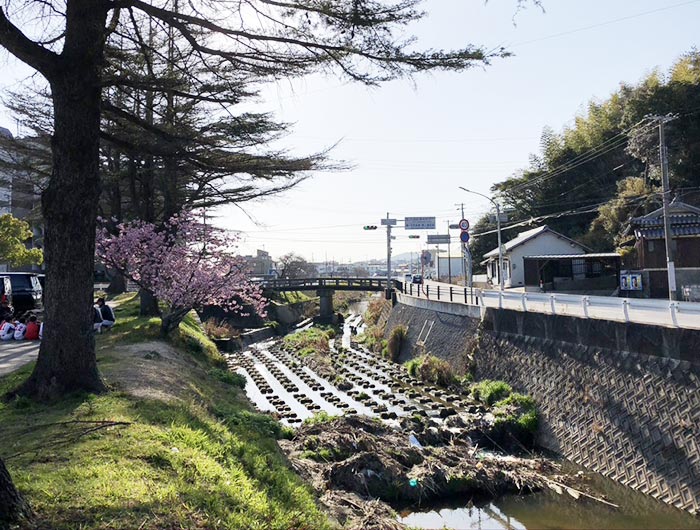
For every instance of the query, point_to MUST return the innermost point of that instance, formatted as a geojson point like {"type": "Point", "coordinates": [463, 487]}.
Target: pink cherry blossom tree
{"type": "Point", "coordinates": [185, 263]}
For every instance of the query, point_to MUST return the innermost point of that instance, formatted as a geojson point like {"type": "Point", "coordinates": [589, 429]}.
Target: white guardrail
{"type": "Point", "coordinates": [636, 310]}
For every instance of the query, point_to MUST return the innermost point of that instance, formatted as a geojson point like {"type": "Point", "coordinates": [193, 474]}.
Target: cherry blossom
{"type": "Point", "coordinates": [184, 263]}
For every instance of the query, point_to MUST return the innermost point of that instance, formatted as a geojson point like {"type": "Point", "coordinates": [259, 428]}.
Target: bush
{"type": "Point", "coordinates": [431, 369]}
{"type": "Point", "coordinates": [396, 338]}
{"type": "Point", "coordinates": [228, 377]}
{"type": "Point", "coordinates": [516, 417]}
{"type": "Point", "coordinates": [373, 339]}
{"type": "Point", "coordinates": [308, 342]}
{"type": "Point", "coordinates": [374, 311]}
{"type": "Point", "coordinates": [488, 391]}
{"type": "Point", "coordinates": [319, 418]}
{"type": "Point", "coordinates": [218, 329]}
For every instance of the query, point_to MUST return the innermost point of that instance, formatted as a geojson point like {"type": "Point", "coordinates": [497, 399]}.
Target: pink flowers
{"type": "Point", "coordinates": [184, 263]}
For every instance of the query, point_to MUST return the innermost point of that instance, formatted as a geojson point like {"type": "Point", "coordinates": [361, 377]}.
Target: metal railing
{"type": "Point", "coordinates": [635, 310]}
{"type": "Point", "coordinates": [301, 284]}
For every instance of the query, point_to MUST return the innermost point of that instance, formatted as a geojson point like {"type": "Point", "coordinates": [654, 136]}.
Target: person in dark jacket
{"type": "Point", "coordinates": [107, 314]}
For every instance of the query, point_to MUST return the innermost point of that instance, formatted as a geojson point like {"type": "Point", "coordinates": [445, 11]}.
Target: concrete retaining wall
{"type": "Point", "coordinates": [618, 399]}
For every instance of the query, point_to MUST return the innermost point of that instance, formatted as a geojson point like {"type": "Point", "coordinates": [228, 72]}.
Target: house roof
{"type": "Point", "coordinates": [684, 219]}
{"type": "Point", "coordinates": [576, 256]}
{"type": "Point", "coordinates": [523, 237]}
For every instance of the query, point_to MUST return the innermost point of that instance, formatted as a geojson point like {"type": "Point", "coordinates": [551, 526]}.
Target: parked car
{"type": "Point", "coordinates": [417, 278]}
{"type": "Point", "coordinates": [26, 291]}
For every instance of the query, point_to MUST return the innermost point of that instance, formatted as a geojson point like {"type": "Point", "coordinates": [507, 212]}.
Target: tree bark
{"type": "Point", "coordinates": [13, 507]}
{"type": "Point", "coordinates": [67, 361]}
{"type": "Point", "coordinates": [148, 304]}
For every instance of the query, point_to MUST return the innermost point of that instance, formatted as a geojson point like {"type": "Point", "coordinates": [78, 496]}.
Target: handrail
{"type": "Point", "coordinates": [632, 310]}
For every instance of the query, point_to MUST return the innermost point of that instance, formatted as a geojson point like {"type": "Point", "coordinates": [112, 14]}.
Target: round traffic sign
{"type": "Point", "coordinates": [464, 224]}
{"type": "Point", "coordinates": [464, 237]}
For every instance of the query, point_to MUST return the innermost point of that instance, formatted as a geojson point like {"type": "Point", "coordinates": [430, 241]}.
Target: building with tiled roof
{"type": "Point", "coordinates": [650, 244]}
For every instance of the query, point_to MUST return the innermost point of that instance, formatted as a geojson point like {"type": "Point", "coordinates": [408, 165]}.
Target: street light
{"type": "Point", "coordinates": [498, 229]}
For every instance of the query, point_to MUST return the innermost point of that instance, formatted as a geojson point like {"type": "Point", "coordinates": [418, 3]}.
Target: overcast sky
{"type": "Point", "coordinates": [413, 144]}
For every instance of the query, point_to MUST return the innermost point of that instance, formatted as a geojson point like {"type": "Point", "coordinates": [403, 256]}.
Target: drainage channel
{"type": "Point", "coordinates": [278, 381]}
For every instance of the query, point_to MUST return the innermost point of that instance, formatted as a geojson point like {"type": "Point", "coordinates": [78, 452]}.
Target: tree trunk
{"type": "Point", "coordinates": [117, 284]}
{"type": "Point", "coordinates": [13, 508]}
{"type": "Point", "coordinates": [67, 361]}
{"type": "Point", "coordinates": [149, 304]}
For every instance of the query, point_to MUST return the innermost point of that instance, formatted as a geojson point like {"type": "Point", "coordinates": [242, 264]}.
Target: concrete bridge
{"type": "Point", "coordinates": [325, 287]}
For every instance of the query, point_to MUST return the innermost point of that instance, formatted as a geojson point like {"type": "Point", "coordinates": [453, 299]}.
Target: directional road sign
{"type": "Point", "coordinates": [438, 239]}
{"type": "Point", "coordinates": [419, 223]}
{"type": "Point", "coordinates": [389, 222]}
{"type": "Point", "coordinates": [464, 237]}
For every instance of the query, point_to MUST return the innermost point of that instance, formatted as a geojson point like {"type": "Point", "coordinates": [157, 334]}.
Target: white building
{"type": "Point", "coordinates": [536, 242]}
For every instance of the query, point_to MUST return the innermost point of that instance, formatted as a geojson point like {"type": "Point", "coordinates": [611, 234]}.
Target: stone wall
{"type": "Point", "coordinates": [617, 399]}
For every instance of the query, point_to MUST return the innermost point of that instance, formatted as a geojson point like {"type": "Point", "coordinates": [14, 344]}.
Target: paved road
{"type": "Point", "coordinates": [14, 354]}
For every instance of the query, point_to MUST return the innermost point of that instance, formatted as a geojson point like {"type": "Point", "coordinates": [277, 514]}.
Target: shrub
{"type": "Point", "coordinates": [516, 417]}
{"type": "Point", "coordinates": [488, 391]}
{"type": "Point", "coordinates": [396, 338]}
{"type": "Point", "coordinates": [308, 342]}
{"type": "Point", "coordinates": [218, 329]}
{"type": "Point", "coordinates": [374, 311]}
{"type": "Point", "coordinates": [373, 338]}
{"type": "Point", "coordinates": [431, 369]}
{"type": "Point", "coordinates": [228, 377]}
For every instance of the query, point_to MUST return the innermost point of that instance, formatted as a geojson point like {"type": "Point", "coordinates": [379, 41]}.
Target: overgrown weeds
{"type": "Point", "coordinates": [432, 370]}
{"type": "Point", "coordinates": [396, 339]}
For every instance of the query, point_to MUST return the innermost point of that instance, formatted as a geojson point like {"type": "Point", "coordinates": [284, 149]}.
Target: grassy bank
{"type": "Point", "coordinates": [174, 444]}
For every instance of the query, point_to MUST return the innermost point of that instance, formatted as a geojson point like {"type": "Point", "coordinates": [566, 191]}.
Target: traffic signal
{"type": "Point", "coordinates": [414, 236]}
{"type": "Point", "coordinates": [369, 227]}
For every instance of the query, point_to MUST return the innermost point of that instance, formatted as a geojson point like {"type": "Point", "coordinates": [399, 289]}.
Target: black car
{"type": "Point", "coordinates": [26, 291]}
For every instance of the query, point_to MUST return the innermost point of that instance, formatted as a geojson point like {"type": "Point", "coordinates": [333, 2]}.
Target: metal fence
{"type": "Point", "coordinates": [636, 310]}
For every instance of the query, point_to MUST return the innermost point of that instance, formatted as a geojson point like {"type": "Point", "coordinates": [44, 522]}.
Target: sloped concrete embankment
{"type": "Point", "coordinates": [623, 401]}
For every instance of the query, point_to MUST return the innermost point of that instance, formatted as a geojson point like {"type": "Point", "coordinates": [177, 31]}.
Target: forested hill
{"type": "Point", "coordinates": [588, 180]}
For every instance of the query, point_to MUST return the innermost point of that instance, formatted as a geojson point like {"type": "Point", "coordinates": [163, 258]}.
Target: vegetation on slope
{"type": "Point", "coordinates": [172, 445]}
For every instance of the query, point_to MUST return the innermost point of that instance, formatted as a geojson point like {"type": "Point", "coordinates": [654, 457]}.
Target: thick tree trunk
{"type": "Point", "coordinates": [148, 304]}
{"type": "Point", "coordinates": [13, 508]}
{"type": "Point", "coordinates": [67, 361]}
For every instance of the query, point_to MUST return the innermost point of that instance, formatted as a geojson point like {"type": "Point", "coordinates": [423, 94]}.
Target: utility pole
{"type": "Point", "coordinates": [449, 257]}
{"type": "Point", "coordinates": [389, 222]}
{"type": "Point", "coordinates": [498, 229]}
{"type": "Point", "coordinates": [668, 237]}
{"type": "Point", "coordinates": [466, 257]}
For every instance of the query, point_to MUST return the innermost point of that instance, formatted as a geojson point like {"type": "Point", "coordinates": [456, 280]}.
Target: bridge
{"type": "Point", "coordinates": [335, 284]}
{"type": "Point", "coordinates": [325, 287]}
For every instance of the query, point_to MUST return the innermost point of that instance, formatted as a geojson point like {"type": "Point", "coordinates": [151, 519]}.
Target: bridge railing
{"type": "Point", "coordinates": [674, 314]}
{"type": "Point", "coordinates": [325, 283]}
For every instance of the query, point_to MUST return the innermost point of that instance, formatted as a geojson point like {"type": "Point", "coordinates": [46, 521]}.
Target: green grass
{"type": "Point", "coordinates": [309, 341]}
{"type": "Point", "coordinates": [488, 391]}
{"type": "Point", "coordinates": [201, 461]}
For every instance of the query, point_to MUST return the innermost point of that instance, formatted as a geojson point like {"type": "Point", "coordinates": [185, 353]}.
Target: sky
{"type": "Point", "coordinates": [412, 143]}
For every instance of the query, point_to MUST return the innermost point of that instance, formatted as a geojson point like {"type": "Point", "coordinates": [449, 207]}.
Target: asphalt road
{"type": "Point", "coordinates": [15, 353]}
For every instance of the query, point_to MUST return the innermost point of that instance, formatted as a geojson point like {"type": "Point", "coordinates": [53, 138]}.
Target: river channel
{"type": "Point", "coordinates": [278, 382]}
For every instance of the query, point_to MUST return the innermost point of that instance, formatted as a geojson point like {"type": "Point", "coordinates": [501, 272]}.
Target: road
{"type": "Point", "coordinates": [15, 353]}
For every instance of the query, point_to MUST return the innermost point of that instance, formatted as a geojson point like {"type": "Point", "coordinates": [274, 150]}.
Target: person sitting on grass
{"type": "Point", "coordinates": [7, 330]}
{"type": "Point", "coordinates": [96, 319]}
{"type": "Point", "coordinates": [108, 318]}
{"type": "Point", "coordinates": [20, 329]}
{"type": "Point", "coordinates": [32, 332]}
